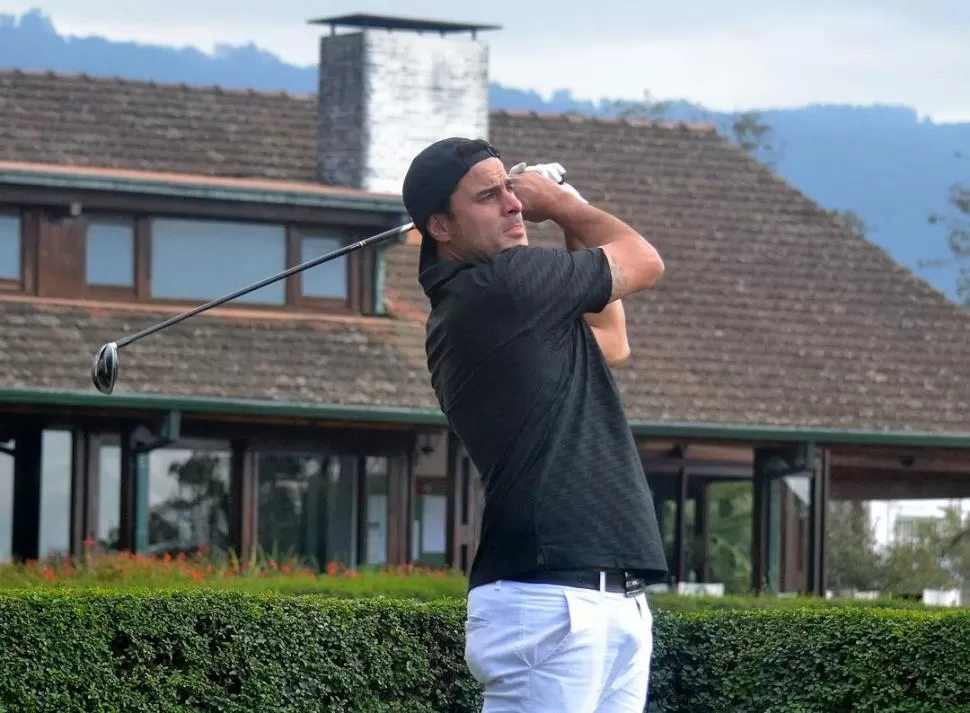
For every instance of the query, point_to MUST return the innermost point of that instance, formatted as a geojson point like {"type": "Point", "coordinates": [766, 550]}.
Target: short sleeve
{"type": "Point", "coordinates": [555, 285]}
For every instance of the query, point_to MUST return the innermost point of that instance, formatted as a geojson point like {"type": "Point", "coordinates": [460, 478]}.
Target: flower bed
{"type": "Point", "coordinates": [202, 571]}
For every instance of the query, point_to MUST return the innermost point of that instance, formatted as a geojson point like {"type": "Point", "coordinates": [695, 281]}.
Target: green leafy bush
{"type": "Point", "coordinates": [686, 603]}
{"type": "Point", "coordinates": [193, 650]}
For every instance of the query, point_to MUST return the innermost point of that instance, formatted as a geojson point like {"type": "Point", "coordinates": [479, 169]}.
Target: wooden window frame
{"type": "Point", "coordinates": [35, 221]}
{"type": "Point", "coordinates": [28, 222]}
{"type": "Point", "coordinates": [295, 299]}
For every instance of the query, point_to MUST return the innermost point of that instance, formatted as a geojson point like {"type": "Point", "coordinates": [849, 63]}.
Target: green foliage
{"type": "Point", "coordinates": [178, 651]}
{"type": "Point", "coordinates": [956, 224]}
{"type": "Point", "coordinates": [728, 549]}
{"type": "Point", "coordinates": [683, 603]}
{"type": "Point", "coordinates": [928, 553]}
{"type": "Point", "coordinates": [812, 661]}
{"type": "Point", "coordinates": [851, 220]}
{"type": "Point", "coordinates": [852, 559]}
{"type": "Point", "coordinates": [751, 134]}
{"type": "Point", "coordinates": [648, 108]}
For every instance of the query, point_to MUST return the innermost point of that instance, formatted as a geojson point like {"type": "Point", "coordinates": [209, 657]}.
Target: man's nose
{"type": "Point", "coordinates": [512, 203]}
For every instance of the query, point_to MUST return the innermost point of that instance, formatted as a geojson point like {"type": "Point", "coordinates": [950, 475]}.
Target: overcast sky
{"type": "Point", "coordinates": [725, 55]}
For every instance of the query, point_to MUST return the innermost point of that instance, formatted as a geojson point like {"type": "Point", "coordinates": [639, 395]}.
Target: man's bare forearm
{"type": "Point", "coordinates": [634, 263]}
{"type": "Point", "coordinates": [586, 226]}
{"type": "Point", "coordinates": [586, 229]}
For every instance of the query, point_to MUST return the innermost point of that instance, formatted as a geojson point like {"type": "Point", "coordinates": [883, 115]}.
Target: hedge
{"type": "Point", "coordinates": [206, 650]}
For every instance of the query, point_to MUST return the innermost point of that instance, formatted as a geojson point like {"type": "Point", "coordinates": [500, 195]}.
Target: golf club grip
{"type": "Point", "coordinates": [266, 281]}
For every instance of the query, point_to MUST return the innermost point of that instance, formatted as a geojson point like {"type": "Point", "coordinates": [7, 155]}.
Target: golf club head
{"type": "Point", "coordinates": [104, 371]}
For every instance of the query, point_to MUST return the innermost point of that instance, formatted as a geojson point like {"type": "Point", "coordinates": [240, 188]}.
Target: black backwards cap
{"type": "Point", "coordinates": [431, 179]}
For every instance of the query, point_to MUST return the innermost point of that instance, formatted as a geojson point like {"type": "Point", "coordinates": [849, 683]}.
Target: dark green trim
{"type": "Point", "coordinates": [434, 417]}
{"type": "Point", "coordinates": [247, 407]}
{"type": "Point", "coordinates": [201, 189]}
{"type": "Point", "coordinates": [783, 434]}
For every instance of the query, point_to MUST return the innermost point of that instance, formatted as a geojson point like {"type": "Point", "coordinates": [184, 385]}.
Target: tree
{"type": "Point", "coordinates": [198, 512]}
{"type": "Point", "coordinates": [729, 533]}
{"type": "Point", "coordinates": [754, 136]}
{"type": "Point", "coordinates": [956, 225]}
{"type": "Point", "coordinates": [853, 559]}
{"type": "Point", "coordinates": [750, 133]}
{"type": "Point", "coordinates": [934, 554]}
{"type": "Point", "coordinates": [647, 108]}
{"type": "Point", "coordinates": [851, 220]}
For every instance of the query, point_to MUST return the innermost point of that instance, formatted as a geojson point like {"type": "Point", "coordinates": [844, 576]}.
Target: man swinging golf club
{"type": "Point", "coordinates": [520, 341]}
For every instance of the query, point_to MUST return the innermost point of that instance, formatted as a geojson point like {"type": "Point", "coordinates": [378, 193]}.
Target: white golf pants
{"type": "Point", "coordinates": [548, 647]}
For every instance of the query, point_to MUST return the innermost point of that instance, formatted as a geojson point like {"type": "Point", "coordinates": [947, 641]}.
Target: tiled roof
{"type": "Point", "coordinates": [769, 314]}
{"type": "Point", "coordinates": [237, 354]}
{"type": "Point", "coordinates": [84, 121]}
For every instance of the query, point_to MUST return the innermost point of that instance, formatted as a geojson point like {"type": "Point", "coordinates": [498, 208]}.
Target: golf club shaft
{"type": "Point", "coordinates": [267, 281]}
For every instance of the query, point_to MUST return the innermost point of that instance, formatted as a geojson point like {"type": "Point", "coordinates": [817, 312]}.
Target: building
{"type": "Point", "coordinates": [899, 522]}
{"type": "Point", "coordinates": [782, 355]}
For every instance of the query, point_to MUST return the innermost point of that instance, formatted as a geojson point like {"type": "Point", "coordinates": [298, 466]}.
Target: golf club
{"type": "Point", "coordinates": [104, 371]}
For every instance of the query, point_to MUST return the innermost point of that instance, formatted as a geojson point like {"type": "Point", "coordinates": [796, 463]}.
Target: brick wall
{"type": "Point", "coordinates": [386, 95]}
{"type": "Point", "coordinates": [340, 115]}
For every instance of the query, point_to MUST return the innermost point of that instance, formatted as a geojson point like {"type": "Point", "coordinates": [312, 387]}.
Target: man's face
{"type": "Point", "coordinates": [486, 217]}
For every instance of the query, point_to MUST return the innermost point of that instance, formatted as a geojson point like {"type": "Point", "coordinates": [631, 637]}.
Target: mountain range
{"type": "Point", "coordinates": [886, 164]}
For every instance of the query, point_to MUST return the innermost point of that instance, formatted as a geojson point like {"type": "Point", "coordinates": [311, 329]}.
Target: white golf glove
{"type": "Point", "coordinates": [553, 171]}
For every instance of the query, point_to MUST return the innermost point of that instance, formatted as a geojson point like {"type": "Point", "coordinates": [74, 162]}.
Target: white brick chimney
{"type": "Point", "coordinates": [391, 87]}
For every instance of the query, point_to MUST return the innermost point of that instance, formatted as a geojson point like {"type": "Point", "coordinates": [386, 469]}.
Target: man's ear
{"type": "Point", "coordinates": [438, 228]}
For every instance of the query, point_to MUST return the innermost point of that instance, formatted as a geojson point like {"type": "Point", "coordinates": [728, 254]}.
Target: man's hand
{"type": "Point", "coordinates": [553, 171]}
{"type": "Point", "coordinates": [541, 197]}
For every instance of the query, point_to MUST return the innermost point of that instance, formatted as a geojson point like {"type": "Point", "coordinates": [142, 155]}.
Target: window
{"type": "Point", "coordinates": [202, 260]}
{"type": "Point", "coordinates": [10, 247]}
{"type": "Point", "coordinates": [307, 507]}
{"type": "Point", "coordinates": [329, 280]}
{"type": "Point", "coordinates": [110, 253]}
{"type": "Point", "coordinates": [189, 491]}
{"type": "Point", "coordinates": [55, 492]}
{"type": "Point", "coordinates": [6, 499]}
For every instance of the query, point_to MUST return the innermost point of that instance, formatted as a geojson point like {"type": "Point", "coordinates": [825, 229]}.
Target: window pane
{"type": "Point", "coordinates": [188, 500]}
{"type": "Point", "coordinates": [6, 502]}
{"type": "Point", "coordinates": [110, 254]}
{"type": "Point", "coordinates": [9, 247]}
{"type": "Point", "coordinates": [328, 279]}
{"type": "Point", "coordinates": [307, 508]}
{"type": "Point", "coordinates": [202, 260]}
{"type": "Point", "coordinates": [55, 492]}
{"type": "Point", "coordinates": [109, 497]}
{"type": "Point", "coordinates": [376, 471]}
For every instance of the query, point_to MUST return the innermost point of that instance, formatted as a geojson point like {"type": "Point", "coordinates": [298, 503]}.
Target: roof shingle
{"type": "Point", "coordinates": [232, 354]}
{"type": "Point", "coordinates": [117, 123]}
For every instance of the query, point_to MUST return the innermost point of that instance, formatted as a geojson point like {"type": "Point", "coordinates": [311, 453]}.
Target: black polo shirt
{"type": "Point", "coordinates": [523, 383]}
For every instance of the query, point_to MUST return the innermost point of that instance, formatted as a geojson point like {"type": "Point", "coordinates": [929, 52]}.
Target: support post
{"type": "Point", "coordinates": [25, 543]}
{"type": "Point", "coordinates": [818, 545]}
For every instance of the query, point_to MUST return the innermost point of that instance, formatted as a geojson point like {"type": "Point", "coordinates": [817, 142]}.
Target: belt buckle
{"type": "Point", "coordinates": [633, 583]}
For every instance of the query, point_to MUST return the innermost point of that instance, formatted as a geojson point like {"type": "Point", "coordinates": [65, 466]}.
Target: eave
{"type": "Point", "coordinates": [401, 415]}
{"type": "Point", "coordinates": [177, 185]}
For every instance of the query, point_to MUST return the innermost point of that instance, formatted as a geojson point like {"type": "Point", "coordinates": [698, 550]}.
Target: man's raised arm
{"type": "Point", "coordinates": [634, 265]}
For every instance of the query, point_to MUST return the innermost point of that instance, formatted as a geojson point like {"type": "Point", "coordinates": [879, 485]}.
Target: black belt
{"type": "Point", "coordinates": [628, 582]}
